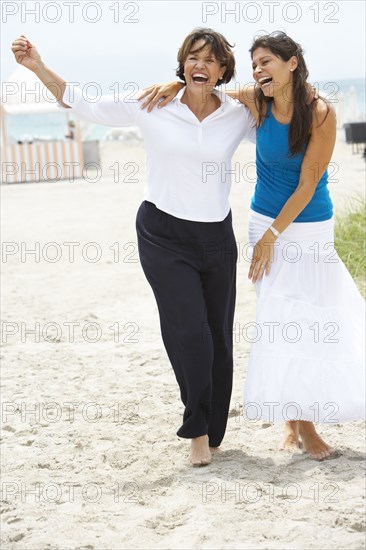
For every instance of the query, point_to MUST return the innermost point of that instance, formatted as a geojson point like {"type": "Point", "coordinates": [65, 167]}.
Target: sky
{"type": "Point", "coordinates": [112, 41]}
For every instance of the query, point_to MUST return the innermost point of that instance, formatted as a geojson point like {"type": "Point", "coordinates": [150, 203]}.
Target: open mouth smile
{"type": "Point", "coordinates": [265, 81]}
{"type": "Point", "coordinates": [199, 78]}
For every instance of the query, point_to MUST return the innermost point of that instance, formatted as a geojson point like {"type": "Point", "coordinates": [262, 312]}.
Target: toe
{"type": "Point", "coordinates": [319, 457]}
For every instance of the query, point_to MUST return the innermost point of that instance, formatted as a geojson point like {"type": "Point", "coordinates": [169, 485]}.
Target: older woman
{"type": "Point", "coordinates": [186, 242]}
{"type": "Point", "coordinates": [308, 365]}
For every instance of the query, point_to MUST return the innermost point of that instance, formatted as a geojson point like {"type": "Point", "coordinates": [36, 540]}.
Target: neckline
{"type": "Point", "coordinates": [185, 106]}
{"type": "Point", "coordinates": [274, 118]}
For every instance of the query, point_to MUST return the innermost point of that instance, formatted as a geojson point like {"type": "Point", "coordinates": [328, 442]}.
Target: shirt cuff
{"type": "Point", "coordinates": [71, 97]}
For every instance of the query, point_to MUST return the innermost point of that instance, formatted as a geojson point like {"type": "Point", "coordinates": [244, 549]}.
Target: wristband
{"type": "Point", "coordinates": [274, 231]}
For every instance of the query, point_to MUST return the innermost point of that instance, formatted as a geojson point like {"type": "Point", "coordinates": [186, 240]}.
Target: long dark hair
{"type": "Point", "coordinates": [304, 97]}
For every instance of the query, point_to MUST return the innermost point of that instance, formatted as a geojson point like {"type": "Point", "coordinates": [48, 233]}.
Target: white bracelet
{"type": "Point", "coordinates": [274, 231]}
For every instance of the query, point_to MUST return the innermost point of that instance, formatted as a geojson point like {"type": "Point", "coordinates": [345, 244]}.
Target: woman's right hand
{"type": "Point", "coordinates": [25, 53]}
{"type": "Point", "coordinates": [156, 92]}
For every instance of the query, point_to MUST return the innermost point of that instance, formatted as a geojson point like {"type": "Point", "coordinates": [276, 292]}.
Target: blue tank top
{"type": "Point", "coordinates": [278, 175]}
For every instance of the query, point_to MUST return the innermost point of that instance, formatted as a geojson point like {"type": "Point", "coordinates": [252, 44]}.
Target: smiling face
{"type": "Point", "coordinates": [202, 70]}
{"type": "Point", "coordinates": [271, 72]}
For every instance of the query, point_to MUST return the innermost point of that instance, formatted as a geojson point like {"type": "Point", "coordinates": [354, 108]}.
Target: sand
{"type": "Point", "coordinates": [90, 456]}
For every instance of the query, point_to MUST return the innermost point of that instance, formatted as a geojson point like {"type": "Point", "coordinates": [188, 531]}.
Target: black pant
{"type": "Point", "coordinates": [191, 267]}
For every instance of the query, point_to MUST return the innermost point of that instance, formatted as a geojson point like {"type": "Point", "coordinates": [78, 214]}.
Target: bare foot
{"type": "Point", "coordinates": [200, 454]}
{"type": "Point", "coordinates": [215, 450]}
{"type": "Point", "coordinates": [291, 437]}
{"type": "Point", "coordinates": [313, 443]}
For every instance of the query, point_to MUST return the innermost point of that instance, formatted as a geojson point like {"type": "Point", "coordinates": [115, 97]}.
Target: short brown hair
{"type": "Point", "coordinates": [220, 47]}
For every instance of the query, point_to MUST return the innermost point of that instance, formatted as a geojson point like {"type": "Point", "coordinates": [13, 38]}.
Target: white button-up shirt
{"type": "Point", "coordinates": [188, 162]}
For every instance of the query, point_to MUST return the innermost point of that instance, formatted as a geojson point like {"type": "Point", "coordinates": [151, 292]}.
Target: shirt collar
{"type": "Point", "coordinates": [179, 95]}
{"type": "Point", "coordinates": [218, 93]}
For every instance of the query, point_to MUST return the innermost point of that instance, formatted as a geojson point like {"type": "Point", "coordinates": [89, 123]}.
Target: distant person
{"type": "Point", "coordinates": [71, 128]}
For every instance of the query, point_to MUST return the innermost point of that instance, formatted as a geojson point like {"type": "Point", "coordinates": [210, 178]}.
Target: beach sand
{"type": "Point", "coordinates": [90, 403]}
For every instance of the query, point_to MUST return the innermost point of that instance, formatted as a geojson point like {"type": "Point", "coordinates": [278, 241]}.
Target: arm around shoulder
{"type": "Point", "coordinates": [246, 96]}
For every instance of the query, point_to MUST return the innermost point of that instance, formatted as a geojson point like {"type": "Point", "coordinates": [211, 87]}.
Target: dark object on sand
{"type": "Point", "coordinates": [356, 134]}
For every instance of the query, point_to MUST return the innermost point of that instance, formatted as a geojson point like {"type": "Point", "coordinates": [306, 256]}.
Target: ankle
{"type": "Point", "coordinates": [306, 427]}
{"type": "Point", "coordinates": [200, 438]}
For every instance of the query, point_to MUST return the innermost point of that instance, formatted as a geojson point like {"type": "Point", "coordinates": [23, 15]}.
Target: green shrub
{"type": "Point", "coordinates": [350, 238]}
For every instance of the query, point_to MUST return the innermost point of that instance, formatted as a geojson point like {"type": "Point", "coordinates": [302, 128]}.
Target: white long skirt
{"type": "Point", "coordinates": [307, 359]}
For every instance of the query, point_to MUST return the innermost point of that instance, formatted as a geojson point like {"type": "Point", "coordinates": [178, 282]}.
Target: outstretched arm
{"type": "Point", "coordinates": [107, 109]}
{"type": "Point", "coordinates": [26, 54]}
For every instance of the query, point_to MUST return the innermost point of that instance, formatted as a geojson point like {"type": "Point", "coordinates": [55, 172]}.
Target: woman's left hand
{"type": "Point", "coordinates": [262, 257]}
{"type": "Point", "coordinates": [159, 93]}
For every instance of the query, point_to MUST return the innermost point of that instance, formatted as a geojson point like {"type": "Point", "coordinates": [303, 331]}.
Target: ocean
{"type": "Point", "coordinates": [27, 127]}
